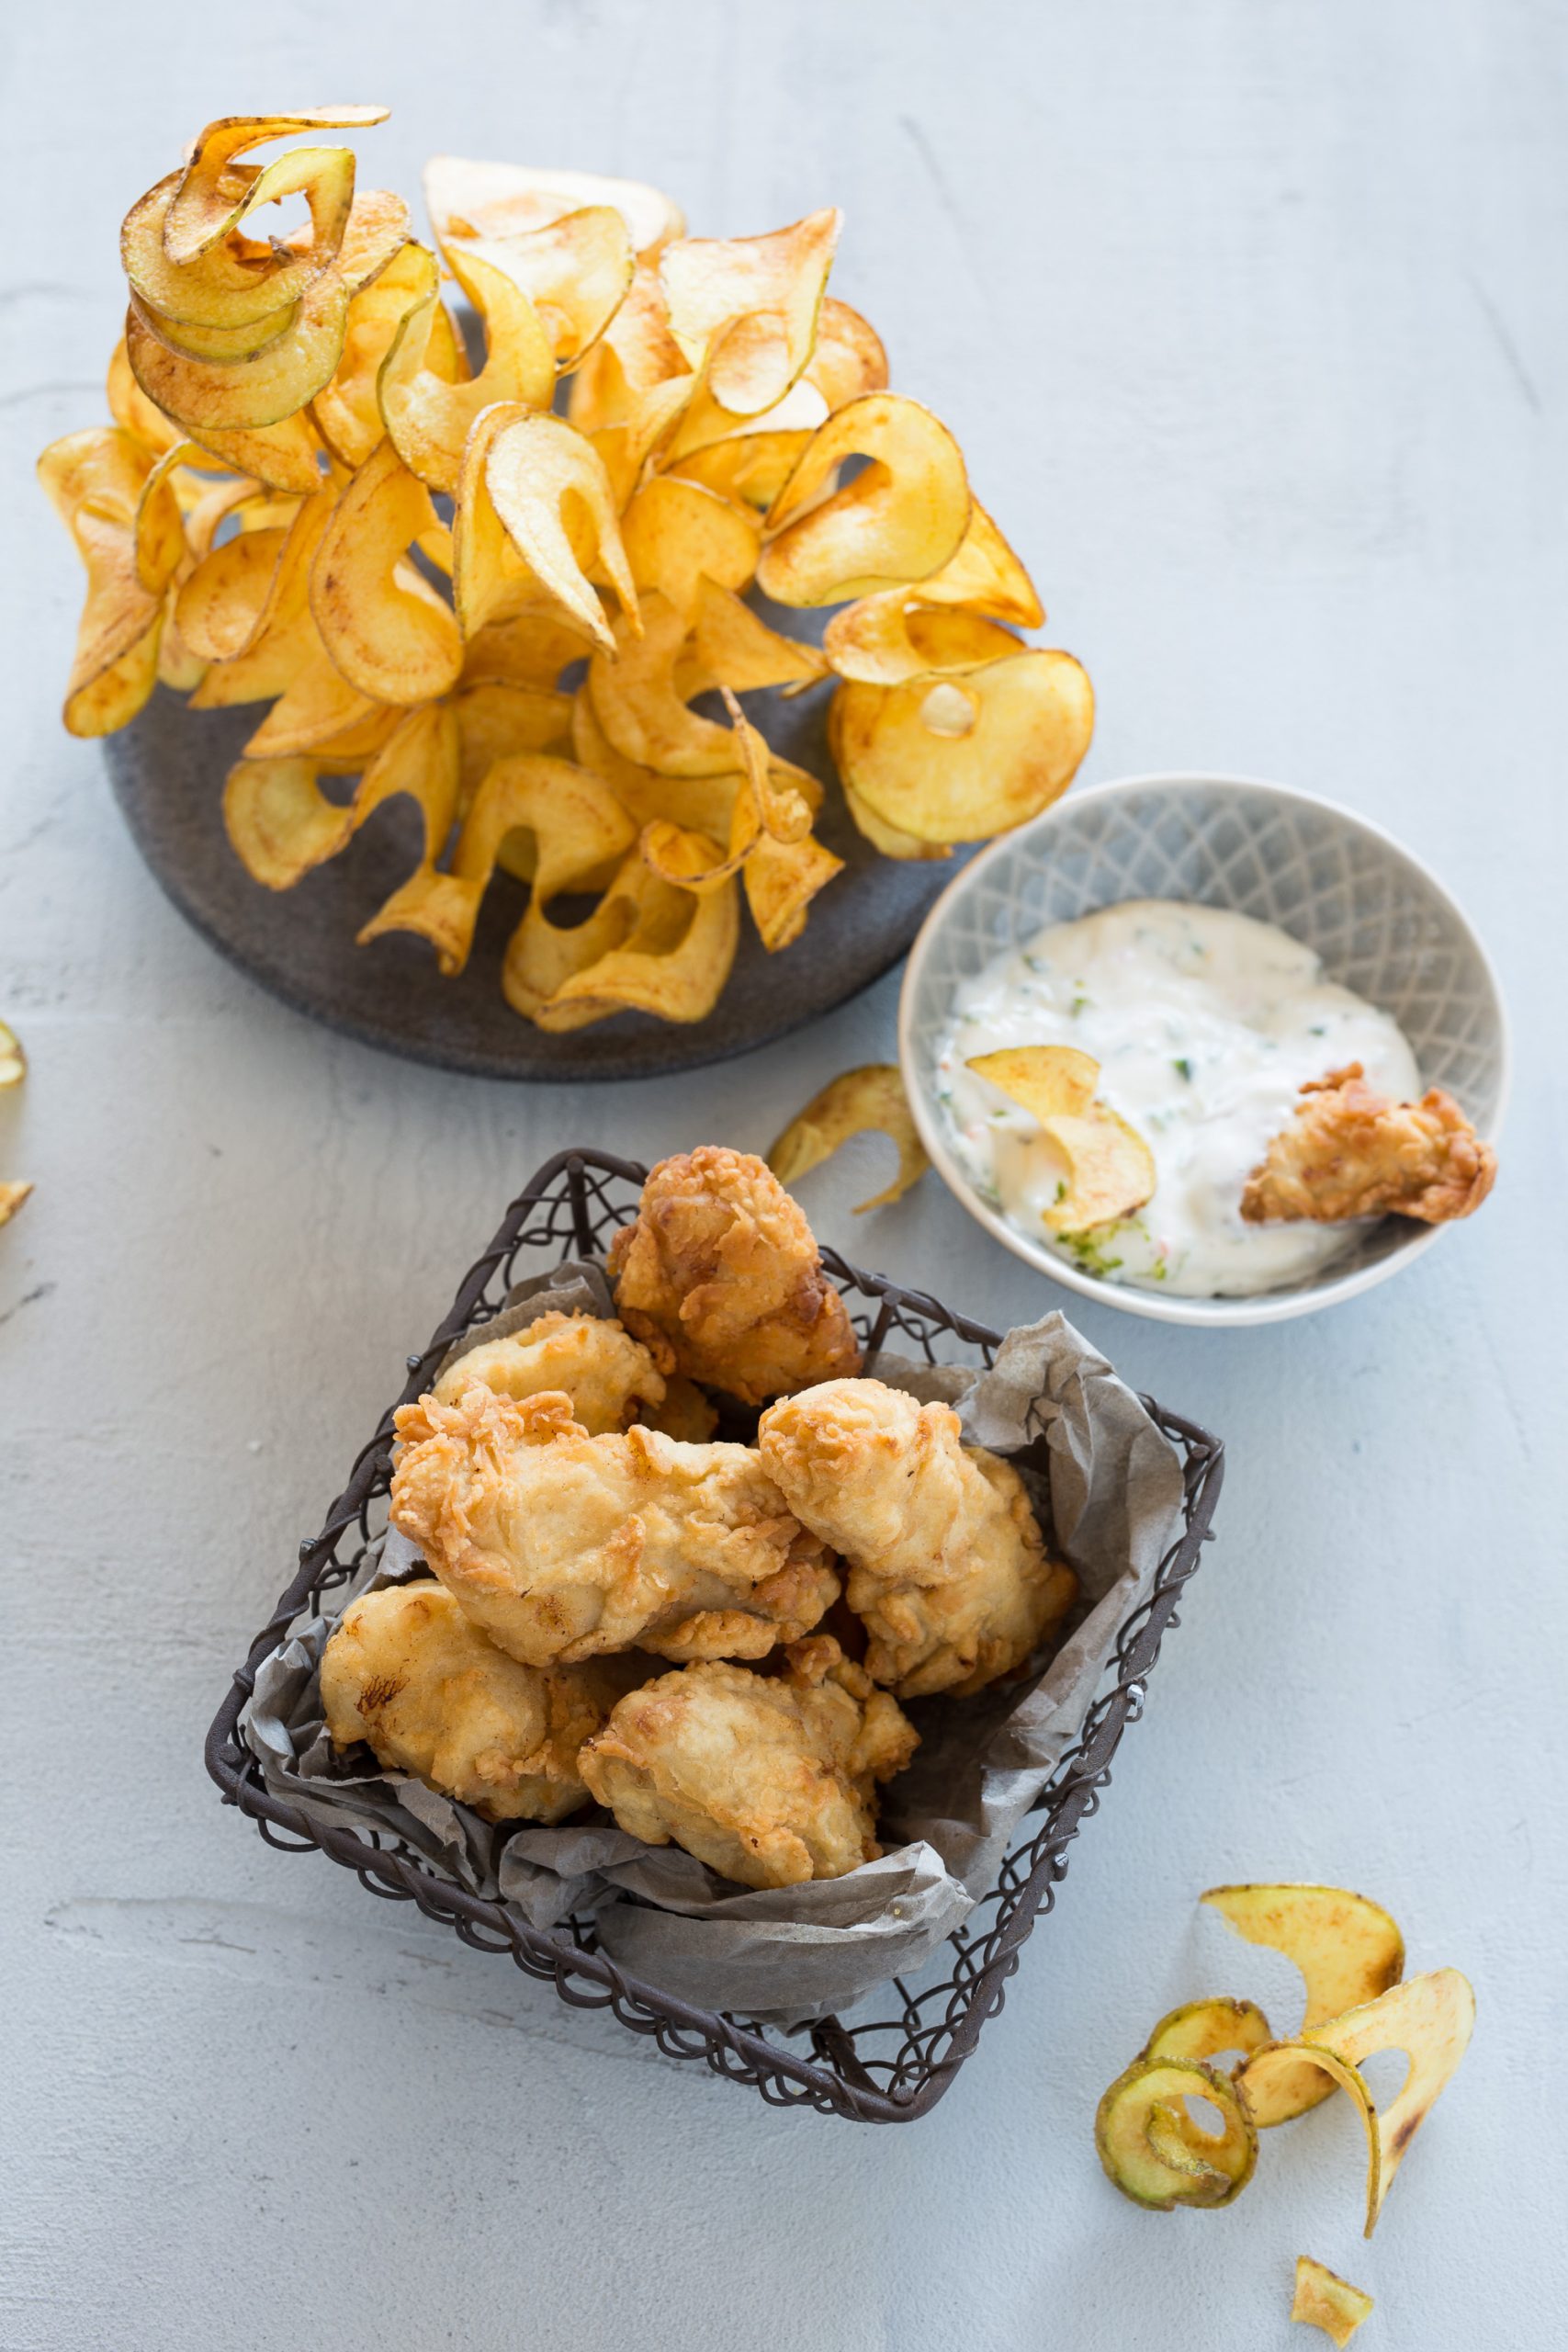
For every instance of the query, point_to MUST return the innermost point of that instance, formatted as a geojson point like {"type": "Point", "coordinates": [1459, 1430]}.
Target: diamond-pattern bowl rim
{"type": "Point", "coordinates": [1267, 1306]}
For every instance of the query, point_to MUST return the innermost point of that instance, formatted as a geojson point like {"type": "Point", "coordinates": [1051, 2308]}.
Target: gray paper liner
{"type": "Point", "coordinates": [787, 1956]}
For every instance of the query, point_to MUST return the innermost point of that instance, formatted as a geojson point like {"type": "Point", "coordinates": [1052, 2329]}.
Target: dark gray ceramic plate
{"type": "Point", "coordinates": [167, 770]}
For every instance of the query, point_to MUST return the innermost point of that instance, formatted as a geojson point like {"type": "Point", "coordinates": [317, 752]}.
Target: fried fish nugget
{"type": "Point", "coordinates": [947, 1566]}
{"type": "Point", "coordinates": [611, 1378]}
{"type": "Point", "coordinates": [564, 1546]}
{"type": "Point", "coordinates": [768, 1779]}
{"type": "Point", "coordinates": [721, 1270]}
{"type": "Point", "coordinates": [407, 1672]}
{"type": "Point", "coordinates": [1350, 1151]}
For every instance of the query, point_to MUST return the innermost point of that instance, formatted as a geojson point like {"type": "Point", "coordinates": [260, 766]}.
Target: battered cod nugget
{"type": "Point", "coordinates": [609, 1377]}
{"type": "Point", "coordinates": [947, 1566]}
{"type": "Point", "coordinates": [1352, 1152]}
{"type": "Point", "coordinates": [721, 1272]}
{"type": "Point", "coordinates": [767, 1780]}
{"type": "Point", "coordinates": [563, 1546]}
{"type": "Point", "coordinates": [408, 1673]}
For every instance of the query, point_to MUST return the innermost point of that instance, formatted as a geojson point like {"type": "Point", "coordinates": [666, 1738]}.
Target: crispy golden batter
{"type": "Point", "coordinates": [1352, 1152]}
{"type": "Point", "coordinates": [408, 1672]}
{"type": "Point", "coordinates": [720, 1270]}
{"type": "Point", "coordinates": [685, 1412]}
{"type": "Point", "coordinates": [563, 1546]}
{"type": "Point", "coordinates": [947, 1565]}
{"type": "Point", "coordinates": [768, 1779]}
{"type": "Point", "coordinates": [609, 1377]}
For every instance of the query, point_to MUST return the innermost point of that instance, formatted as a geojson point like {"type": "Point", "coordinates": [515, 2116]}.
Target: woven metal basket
{"type": "Point", "coordinates": [899, 2065]}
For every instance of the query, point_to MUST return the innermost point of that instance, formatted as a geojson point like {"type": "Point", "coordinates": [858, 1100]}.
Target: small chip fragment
{"type": "Point", "coordinates": [1324, 2300]}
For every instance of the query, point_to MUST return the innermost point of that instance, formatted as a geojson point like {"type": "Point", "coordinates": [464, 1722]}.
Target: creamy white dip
{"type": "Point", "coordinates": [1205, 1024]}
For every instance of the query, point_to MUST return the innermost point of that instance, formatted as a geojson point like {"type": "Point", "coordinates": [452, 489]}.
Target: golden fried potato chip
{"type": "Point", "coordinates": [749, 467]}
{"type": "Point", "coordinates": [212, 199]}
{"type": "Point", "coordinates": [281, 824]}
{"type": "Point", "coordinates": [346, 411]}
{"type": "Point", "coordinates": [647, 947]}
{"type": "Point", "coordinates": [959, 760]}
{"type": "Point", "coordinates": [698, 804]}
{"type": "Point", "coordinates": [1205, 2029]}
{"type": "Point", "coordinates": [217, 342]}
{"type": "Point", "coordinates": [635, 356]}
{"type": "Point", "coordinates": [677, 534]}
{"type": "Point", "coordinates": [781, 878]}
{"type": "Point", "coordinates": [220, 608]}
{"type": "Point", "coordinates": [549, 489]}
{"type": "Point", "coordinates": [986, 576]}
{"type": "Point", "coordinates": [286, 457]}
{"type": "Point", "coordinates": [1110, 1169]}
{"type": "Point", "coordinates": [532, 649]}
{"type": "Point", "coordinates": [748, 306]}
{"type": "Point", "coordinates": [1429, 2018]}
{"type": "Point", "coordinates": [763, 806]}
{"type": "Point", "coordinates": [734, 648]}
{"type": "Point", "coordinates": [578, 833]}
{"type": "Point", "coordinates": [240, 395]}
{"type": "Point", "coordinates": [640, 707]}
{"type": "Point", "coordinates": [889, 839]}
{"type": "Point", "coordinates": [882, 640]}
{"type": "Point", "coordinates": [903, 517]}
{"type": "Point", "coordinates": [428, 416]}
{"type": "Point", "coordinates": [13, 1061]}
{"type": "Point", "coordinates": [496, 720]}
{"type": "Point", "coordinates": [95, 483]}
{"type": "Point", "coordinates": [385, 627]}
{"type": "Point", "coordinates": [229, 289]}
{"type": "Point", "coordinates": [856, 1100]}
{"type": "Point", "coordinates": [847, 358]}
{"type": "Point", "coordinates": [575, 271]}
{"type": "Point", "coordinates": [1044, 1081]}
{"type": "Point", "coordinates": [12, 1195]}
{"type": "Point", "coordinates": [474, 200]}
{"type": "Point", "coordinates": [1324, 2300]}
{"type": "Point", "coordinates": [1348, 1948]}
{"type": "Point", "coordinates": [1153, 2151]}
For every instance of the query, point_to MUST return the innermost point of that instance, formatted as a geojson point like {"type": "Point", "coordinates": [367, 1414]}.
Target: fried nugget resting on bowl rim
{"type": "Point", "coordinates": [1350, 1152]}
{"type": "Point", "coordinates": [406, 1671]}
{"type": "Point", "coordinates": [721, 1271]}
{"type": "Point", "coordinates": [565, 1546]}
{"type": "Point", "coordinates": [768, 1778]}
{"type": "Point", "coordinates": [611, 1378]}
{"type": "Point", "coordinates": [948, 1569]}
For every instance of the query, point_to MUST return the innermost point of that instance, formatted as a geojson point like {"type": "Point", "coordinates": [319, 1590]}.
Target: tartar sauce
{"type": "Point", "coordinates": [1205, 1024]}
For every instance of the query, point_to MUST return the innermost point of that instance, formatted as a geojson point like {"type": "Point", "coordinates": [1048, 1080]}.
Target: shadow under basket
{"type": "Point", "coordinates": [897, 2065]}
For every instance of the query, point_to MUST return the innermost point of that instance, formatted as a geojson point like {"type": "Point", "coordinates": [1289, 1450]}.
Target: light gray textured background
{"type": "Point", "coordinates": [1251, 317]}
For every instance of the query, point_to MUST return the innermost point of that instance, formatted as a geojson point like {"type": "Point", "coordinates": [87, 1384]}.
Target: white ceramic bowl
{"type": "Point", "coordinates": [1381, 923]}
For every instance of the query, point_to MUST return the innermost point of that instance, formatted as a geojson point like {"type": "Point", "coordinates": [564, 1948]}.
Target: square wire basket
{"type": "Point", "coordinates": [896, 2066]}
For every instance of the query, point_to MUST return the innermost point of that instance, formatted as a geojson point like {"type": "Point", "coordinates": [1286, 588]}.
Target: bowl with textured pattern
{"type": "Point", "coordinates": [1382, 924]}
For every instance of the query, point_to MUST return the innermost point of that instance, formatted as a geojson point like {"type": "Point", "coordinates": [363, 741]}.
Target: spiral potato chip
{"type": "Point", "coordinates": [427, 414]}
{"type": "Point", "coordinates": [281, 824]}
{"type": "Point", "coordinates": [259, 526]}
{"type": "Point", "coordinates": [870, 1097]}
{"type": "Point", "coordinates": [960, 760]}
{"type": "Point", "coordinates": [383, 626]}
{"type": "Point", "coordinates": [578, 833]}
{"type": "Point", "coordinates": [546, 482]}
{"type": "Point", "coordinates": [899, 520]}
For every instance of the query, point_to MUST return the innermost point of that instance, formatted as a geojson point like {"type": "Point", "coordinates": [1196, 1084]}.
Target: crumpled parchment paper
{"type": "Point", "coordinates": [1113, 1489]}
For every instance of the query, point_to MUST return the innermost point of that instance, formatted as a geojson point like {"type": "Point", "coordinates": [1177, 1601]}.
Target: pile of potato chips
{"type": "Point", "coordinates": [310, 500]}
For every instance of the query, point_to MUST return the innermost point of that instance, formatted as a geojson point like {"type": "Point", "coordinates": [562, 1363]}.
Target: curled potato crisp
{"type": "Point", "coordinates": [873, 1096]}
{"type": "Point", "coordinates": [314, 498]}
{"type": "Point", "coordinates": [1324, 2300]}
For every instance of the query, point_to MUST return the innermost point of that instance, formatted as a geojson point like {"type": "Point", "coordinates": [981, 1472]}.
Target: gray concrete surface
{"type": "Point", "coordinates": [1251, 317]}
